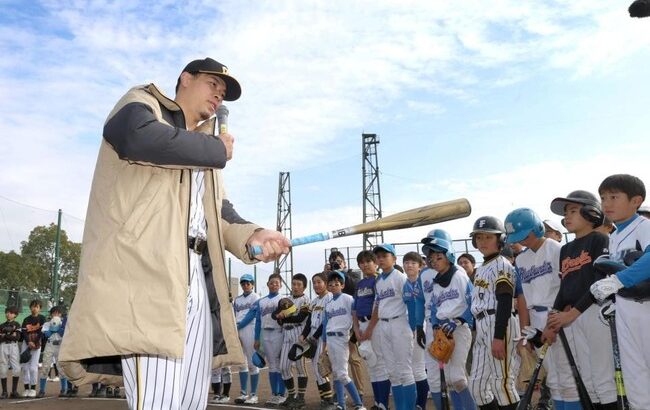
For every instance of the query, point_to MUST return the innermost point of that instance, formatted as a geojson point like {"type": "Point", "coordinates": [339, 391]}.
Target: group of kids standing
{"type": "Point", "coordinates": [493, 312]}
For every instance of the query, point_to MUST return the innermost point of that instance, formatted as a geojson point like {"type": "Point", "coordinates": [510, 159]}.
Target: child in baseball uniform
{"type": "Point", "coordinates": [9, 352]}
{"type": "Point", "coordinates": [538, 267]}
{"type": "Point", "coordinates": [621, 197]}
{"type": "Point", "coordinates": [53, 332]}
{"type": "Point", "coordinates": [313, 330]}
{"type": "Point", "coordinates": [32, 335]}
{"type": "Point", "coordinates": [336, 335]}
{"type": "Point", "coordinates": [495, 361]}
{"type": "Point", "coordinates": [413, 296]}
{"type": "Point", "coordinates": [364, 300]}
{"type": "Point", "coordinates": [393, 327]}
{"type": "Point", "coordinates": [221, 381]}
{"type": "Point", "coordinates": [268, 335]}
{"type": "Point", "coordinates": [292, 327]}
{"type": "Point", "coordinates": [573, 309]}
{"type": "Point", "coordinates": [450, 311]}
{"type": "Point", "coordinates": [245, 306]}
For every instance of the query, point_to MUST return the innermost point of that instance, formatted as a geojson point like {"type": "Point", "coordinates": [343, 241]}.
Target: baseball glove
{"type": "Point", "coordinates": [442, 346]}
{"type": "Point", "coordinates": [286, 307]}
{"type": "Point", "coordinates": [324, 364]}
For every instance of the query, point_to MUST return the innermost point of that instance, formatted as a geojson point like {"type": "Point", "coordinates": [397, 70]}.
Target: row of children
{"type": "Point", "coordinates": [393, 314]}
{"type": "Point", "coordinates": [22, 347]}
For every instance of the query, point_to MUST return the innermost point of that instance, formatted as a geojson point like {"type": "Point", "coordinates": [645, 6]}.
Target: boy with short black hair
{"type": "Point", "coordinates": [313, 330]}
{"type": "Point", "coordinates": [32, 335]}
{"type": "Point", "coordinates": [336, 335]}
{"type": "Point", "coordinates": [53, 332]}
{"type": "Point", "coordinates": [495, 362]}
{"type": "Point", "coordinates": [9, 353]}
{"type": "Point", "coordinates": [621, 197]}
{"type": "Point", "coordinates": [370, 348]}
{"type": "Point", "coordinates": [413, 296]}
{"type": "Point", "coordinates": [292, 327]}
{"type": "Point", "coordinates": [268, 334]}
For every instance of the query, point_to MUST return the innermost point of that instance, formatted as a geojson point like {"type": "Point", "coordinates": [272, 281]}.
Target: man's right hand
{"type": "Point", "coordinates": [228, 141]}
{"type": "Point", "coordinates": [256, 345]}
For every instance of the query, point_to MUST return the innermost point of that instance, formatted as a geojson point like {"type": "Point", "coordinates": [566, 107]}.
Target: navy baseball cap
{"type": "Point", "coordinates": [210, 66]}
{"type": "Point", "coordinates": [246, 277]}
{"type": "Point", "coordinates": [386, 247]}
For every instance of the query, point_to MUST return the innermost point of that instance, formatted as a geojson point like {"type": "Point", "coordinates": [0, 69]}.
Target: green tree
{"type": "Point", "coordinates": [37, 254]}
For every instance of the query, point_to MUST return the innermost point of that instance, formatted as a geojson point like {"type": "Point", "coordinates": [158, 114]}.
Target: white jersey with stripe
{"type": "Point", "coordinates": [317, 309]}
{"type": "Point", "coordinates": [451, 302]}
{"type": "Point", "coordinates": [388, 298]}
{"type": "Point", "coordinates": [427, 277]}
{"type": "Point", "coordinates": [539, 272]}
{"type": "Point", "coordinates": [485, 281]}
{"type": "Point", "coordinates": [243, 304]}
{"type": "Point", "coordinates": [267, 306]}
{"type": "Point", "coordinates": [339, 313]}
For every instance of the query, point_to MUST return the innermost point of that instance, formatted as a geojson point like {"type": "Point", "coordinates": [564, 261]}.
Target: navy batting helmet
{"type": "Point", "coordinates": [489, 224]}
{"type": "Point", "coordinates": [590, 209]}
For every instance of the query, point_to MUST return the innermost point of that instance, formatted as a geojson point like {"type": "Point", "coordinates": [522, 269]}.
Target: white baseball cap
{"type": "Point", "coordinates": [553, 225]}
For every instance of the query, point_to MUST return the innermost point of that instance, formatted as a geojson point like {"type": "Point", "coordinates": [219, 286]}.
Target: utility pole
{"type": "Point", "coordinates": [284, 265]}
{"type": "Point", "coordinates": [55, 269]}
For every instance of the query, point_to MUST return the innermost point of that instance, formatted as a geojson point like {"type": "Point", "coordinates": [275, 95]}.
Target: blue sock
{"type": "Point", "coordinates": [243, 381]}
{"type": "Point", "coordinates": [354, 393]}
{"type": "Point", "coordinates": [409, 396]}
{"type": "Point", "coordinates": [383, 395]}
{"type": "Point", "coordinates": [64, 384]}
{"type": "Point", "coordinates": [455, 400]}
{"type": "Point", "coordinates": [467, 400]}
{"type": "Point", "coordinates": [398, 398]}
{"type": "Point", "coordinates": [255, 379]}
{"type": "Point", "coordinates": [273, 383]}
{"type": "Point", "coordinates": [375, 391]}
{"type": "Point", "coordinates": [437, 399]}
{"type": "Point", "coordinates": [423, 393]}
{"type": "Point", "coordinates": [572, 405]}
{"type": "Point", "coordinates": [281, 388]}
{"type": "Point", "coordinates": [340, 394]}
{"type": "Point", "coordinates": [558, 404]}
{"type": "Point", "coordinates": [41, 384]}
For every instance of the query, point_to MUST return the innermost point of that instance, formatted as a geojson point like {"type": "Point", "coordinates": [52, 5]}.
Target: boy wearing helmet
{"type": "Point", "coordinates": [245, 312]}
{"type": "Point", "coordinates": [450, 310]}
{"type": "Point", "coordinates": [573, 309]}
{"type": "Point", "coordinates": [495, 362]}
{"type": "Point", "coordinates": [538, 267]}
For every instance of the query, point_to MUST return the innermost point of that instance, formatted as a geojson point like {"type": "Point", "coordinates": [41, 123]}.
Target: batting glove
{"type": "Point", "coordinates": [448, 327]}
{"type": "Point", "coordinates": [533, 335]}
{"type": "Point", "coordinates": [420, 337]}
{"type": "Point", "coordinates": [603, 288]}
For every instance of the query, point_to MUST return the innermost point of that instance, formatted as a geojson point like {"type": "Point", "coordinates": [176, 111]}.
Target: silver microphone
{"type": "Point", "coordinates": [222, 119]}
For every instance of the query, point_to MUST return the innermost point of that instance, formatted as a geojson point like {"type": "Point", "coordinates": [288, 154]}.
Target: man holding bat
{"type": "Point", "coordinates": [152, 308]}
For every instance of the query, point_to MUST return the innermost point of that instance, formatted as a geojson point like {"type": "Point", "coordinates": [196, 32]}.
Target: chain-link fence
{"type": "Point", "coordinates": [21, 299]}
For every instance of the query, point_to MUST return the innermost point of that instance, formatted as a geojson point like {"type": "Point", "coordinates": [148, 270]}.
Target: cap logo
{"type": "Point", "coordinates": [482, 223]}
{"type": "Point", "coordinates": [509, 227]}
{"type": "Point", "coordinates": [224, 69]}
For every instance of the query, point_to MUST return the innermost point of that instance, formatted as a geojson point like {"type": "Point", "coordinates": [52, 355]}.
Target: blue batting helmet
{"type": "Point", "coordinates": [521, 222]}
{"type": "Point", "coordinates": [439, 240]}
{"type": "Point", "coordinates": [258, 360]}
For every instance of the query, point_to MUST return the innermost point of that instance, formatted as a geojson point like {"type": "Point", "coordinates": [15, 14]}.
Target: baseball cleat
{"type": "Point", "coordinates": [253, 399]}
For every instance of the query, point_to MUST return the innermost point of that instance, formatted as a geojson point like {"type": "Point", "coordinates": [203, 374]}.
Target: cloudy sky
{"type": "Point", "coordinates": [506, 103]}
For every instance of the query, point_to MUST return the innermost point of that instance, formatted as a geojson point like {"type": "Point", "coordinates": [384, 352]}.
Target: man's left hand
{"type": "Point", "coordinates": [273, 244]}
{"type": "Point", "coordinates": [603, 288]}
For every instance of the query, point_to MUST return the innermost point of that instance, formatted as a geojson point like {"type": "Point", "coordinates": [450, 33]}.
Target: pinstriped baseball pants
{"type": "Point", "coordinates": [156, 382]}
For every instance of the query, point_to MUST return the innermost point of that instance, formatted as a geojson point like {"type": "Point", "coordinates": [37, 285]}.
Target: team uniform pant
{"type": "Point", "coordinates": [355, 364]}
{"type": "Point", "coordinates": [430, 362]}
{"type": "Point", "coordinates": [634, 344]}
{"type": "Point", "coordinates": [314, 364]}
{"type": "Point", "coordinates": [455, 368]}
{"type": "Point", "coordinates": [339, 352]}
{"type": "Point", "coordinates": [592, 350]}
{"type": "Point", "coordinates": [221, 375]}
{"type": "Point", "coordinates": [378, 371]}
{"type": "Point", "coordinates": [158, 382]}
{"type": "Point", "coordinates": [30, 369]}
{"type": "Point", "coordinates": [491, 378]}
{"type": "Point", "coordinates": [397, 350]}
{"type": "Point", "coordinates": [289, 338]}
{"type": "Point", "coordinates": [272, 344]}
{"type": "Point", "coordinates": [9, 356]}
{"type": "Point", "coordinates": [50, 356]}
{"type": "Point", "coordinates": [247, 339]}
{"type": "Point", "coordinates": [417, 362]}
{"type": "Point", "coordinates": [559, 378]}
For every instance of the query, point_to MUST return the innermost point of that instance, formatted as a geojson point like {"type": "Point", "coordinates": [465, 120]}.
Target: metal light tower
{"type": "Point", "coordinates": [284, 265]}
{"type": "Point", "coordinates": [371, 192]}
